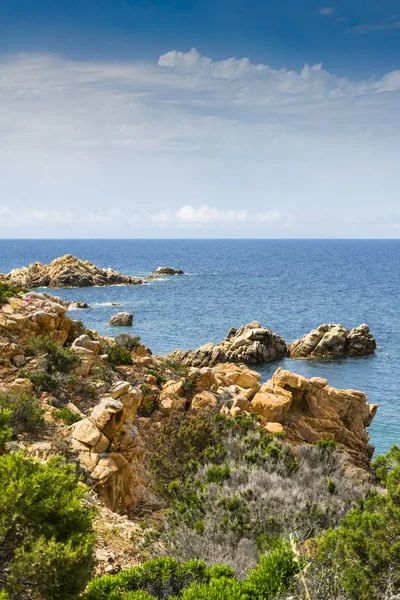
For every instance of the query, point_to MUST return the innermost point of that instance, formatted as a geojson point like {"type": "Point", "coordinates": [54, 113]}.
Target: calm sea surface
{"type": "Point", "coordinates": [290, 286]}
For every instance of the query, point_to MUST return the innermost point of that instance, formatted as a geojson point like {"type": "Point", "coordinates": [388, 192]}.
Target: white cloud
{"type": "Point", "coordinates": [208, 214]}
{"type": "Point", "coordinates": [98, 148]}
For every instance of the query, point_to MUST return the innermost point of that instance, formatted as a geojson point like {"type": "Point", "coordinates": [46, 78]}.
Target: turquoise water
{"type": "Point", "coordinates": [290, 286]}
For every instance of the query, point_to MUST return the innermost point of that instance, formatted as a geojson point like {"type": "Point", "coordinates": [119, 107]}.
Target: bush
{"type": "Point", "coordinates": [180, 369]}
{"type": "Point", "coordinates": [217, 589]}
{"type": "Point", "coordinates": [45, 530]}
{"type": "Point", "coordinates": [5, 429]}
{"type": "Point", "coordinates": [248, 493]}
{"type": "Point", "coordinates": [127, 341]}
{"type": "Point", "coordinates": [182, 440]}
{"type": "Point", "coordinates": [8, 291]}
{"type": "Point", "coordinates": [158, 376]}
{"type": "Point", "coordinates": [364, 552]}
{"type": "Point", "coordinates": [118, 355]}
{"type": "Point", "coordinates": [43, 382]}
{"type": "Point", "coordinates": [161, 577]}
{"type": "Point", "coordinates": [53, 359]}
{"type": "Point", "coordinates": [67, 415]}
{"type": "Point", "coordinates": [274, 574]}
{"type": "Point", "coordinates": [25, 413]}
{"type": "Point", "coordinates": [165, 578]}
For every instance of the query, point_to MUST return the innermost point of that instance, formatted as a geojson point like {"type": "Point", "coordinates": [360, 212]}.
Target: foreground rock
{"type": "Point", "coordinates": [24, 318]}
{"type": "Point", "coordinates": [108, 444]}
{"type": "Point", "coordinates": [167, 271]}
{"type": "Point", "coordinates": [334, 341]}
{"type": "Point", "coordinates": [121, 319]}
{"type": "Point", "coordinates": [66, 271]}
{"type": "Point", "coordinates": [250, 344]}
{"type": "Point", "coordinates": [308, 410]}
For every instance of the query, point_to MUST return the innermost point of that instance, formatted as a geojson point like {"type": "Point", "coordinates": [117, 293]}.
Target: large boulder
{"type": "Point", "coordinates": [121, 319]}
{"type": "Point", "coordinates": [334, 341]}
{"type": "Point", "coordinates": [167, 271]}
{"type": "Point", "coordinates": [310, 410]}
{"type": "Point", "coordinates": [250, 344]}
{"type": "Point", "coordinates": [67, 271]}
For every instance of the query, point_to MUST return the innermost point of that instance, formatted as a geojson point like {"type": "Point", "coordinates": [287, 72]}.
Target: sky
{"type": "Point", "coordinates": [180, 119]}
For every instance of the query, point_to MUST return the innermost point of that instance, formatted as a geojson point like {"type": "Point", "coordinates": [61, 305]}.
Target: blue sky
{"type": "Point", "coordinates": [199, 118]}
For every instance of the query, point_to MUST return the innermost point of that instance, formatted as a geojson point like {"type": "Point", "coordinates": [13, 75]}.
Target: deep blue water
{"type": "Point", "coordinates": [290, 286]}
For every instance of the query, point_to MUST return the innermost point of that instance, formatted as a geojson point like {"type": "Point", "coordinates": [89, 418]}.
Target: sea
{"type": "Point", "coordinates": [290, 286]}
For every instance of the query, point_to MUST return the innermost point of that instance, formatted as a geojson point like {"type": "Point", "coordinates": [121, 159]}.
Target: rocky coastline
{"type": "Point", "coordinates": [105, 403]}
{"type": "Point", "coordinates": [304, 410]}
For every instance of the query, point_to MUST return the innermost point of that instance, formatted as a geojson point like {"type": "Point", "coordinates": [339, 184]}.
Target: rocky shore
{"type": "Point", "coordinates": [66, 271]}
{"type": "Point", "coordinates": [304, 410]}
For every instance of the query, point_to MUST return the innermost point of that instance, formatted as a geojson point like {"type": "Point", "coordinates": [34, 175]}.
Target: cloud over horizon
{"type": "Point", "coordinates": [189, 144]}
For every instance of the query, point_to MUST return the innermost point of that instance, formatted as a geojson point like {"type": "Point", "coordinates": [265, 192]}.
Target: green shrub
{"type": "Point", "coordinates": [67, 415]}
{"type": "Point", "coordinates": [182, 439]}
{"type": "Point", "coordinates": [147, 409]}
{"type": "Point", "coordinates": [384, 464]}
{"type": "Point", "coordinates": [158, 376]}
{"type": "Point", "coordinates": [8, 291]}
{"type": "Point", "coordinates": [180, 369]}
{"type": "Point", "coordinates": [118, 355]}
{"type": "Point", "coordinates": [274, 574]}
{"type": "Point", "coordinates": [45, 530]}
{"type": "Point", "coordinates": [161, 577]}
{"type": "Point", "coordinates": [217, 589]}
{"type": "Point", "coordinates": [127, 341]}
{"type": "Point", "coordinates": [53, 359]}
{"type": "Point", "coordinates": [26, 415]}
{"type": "Point", "coordinates": [365, 549]}
{"type": "Point", "coordinates": [140, 595]}
{"type": "Point", "coordinates": [326, 444]}
{"type": "Point", "coordinates": [43, 382]}
{"type": "Point", "coordinates": [5, 429]}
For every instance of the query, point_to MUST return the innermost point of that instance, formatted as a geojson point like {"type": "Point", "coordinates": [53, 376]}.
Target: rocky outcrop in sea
{"type": "Point", "coordinates": [167, 271]}
{"type": "Point", "coordinates": [121, 319]}
{"type": "Point", "coordinates": [66, 271]}
{"type": "Point", "coordinates": [334, 341]}
{"type": "Point", "coordinates": [251, 344]}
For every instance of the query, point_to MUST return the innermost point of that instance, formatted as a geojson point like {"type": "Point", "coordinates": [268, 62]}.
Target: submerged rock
{"type": "Point", "coordinates": [334, 341]}
{"type": "Point", "coordinates": [167, 271]}
{"type": "Point", "coordinates": [250, 344]}
{"type": "Point", "coordinates": [67, 271]}
{"type": "Point", "coordinates": [121, 319]}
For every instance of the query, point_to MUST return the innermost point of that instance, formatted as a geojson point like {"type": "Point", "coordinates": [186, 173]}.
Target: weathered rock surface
{"type": "Point", "coordinates": [67, 271]}
{"type": "Point", "coordinates": [250, 344]}
{"type": "Point", "coordinates": [121, 319]}
{"type": "Point", "coordinates": [333, 341]}
{"type": "Point", "coordinates": [167, 271]}
{"type": "Point", "coordinates": [24, 318]}
{"type": "Point", "coordinates": [109, 446]}
{"type": "Point", "coordinates": [310, 410]}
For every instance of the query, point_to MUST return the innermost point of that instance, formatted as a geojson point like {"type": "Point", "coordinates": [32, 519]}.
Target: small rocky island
{"type": "Point", "coordinates": [66, 271]}
{"type": "Point", "coordinates": [251, 344]}
{"type": "Point", "coordinates": [168, 271]}
{"type": "Point", "coordinates": [334, 341]}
